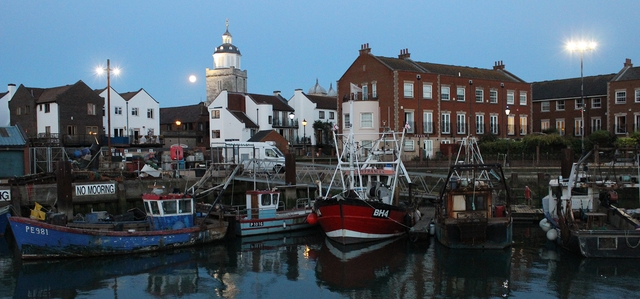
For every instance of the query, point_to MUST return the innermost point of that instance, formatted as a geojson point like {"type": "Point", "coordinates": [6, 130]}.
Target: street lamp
{"type": "Point", "coordinates": [581, 46]}
{"type": "Point", "coordinates": [507, 111]}
{"type": "Point", "coordinates": [304, 139]}
{"type": "Point", "coordinates": [178, 158]}
{"type": "Point", "coordinates": [291, 117]}
{"type": "Point", "coordinates": [116, 71]}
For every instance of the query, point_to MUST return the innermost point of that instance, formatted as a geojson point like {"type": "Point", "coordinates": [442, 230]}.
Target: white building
{"type": "Point", "coordinates": [133, 114]}
{"type": "Point", "coordinates": [316, 105]}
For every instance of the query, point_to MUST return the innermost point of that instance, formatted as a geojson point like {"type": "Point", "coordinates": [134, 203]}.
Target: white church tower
{"type": "Point", "coordinates": [226, 73]}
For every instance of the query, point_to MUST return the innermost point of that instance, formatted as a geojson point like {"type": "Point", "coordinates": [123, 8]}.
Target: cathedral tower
{"type": "Point", "coordinates": [226, 73]}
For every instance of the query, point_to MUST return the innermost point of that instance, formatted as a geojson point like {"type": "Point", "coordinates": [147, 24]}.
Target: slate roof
{"type": "Point", "coordinates": [276, 101]}
{"type": "Point", "coordinates": [129, 95]}
{"type": "Point", "coordinates": [243, 118]}
{"type": "Point", "coordinates": [322, 102]}
{"type": "Point", "coordinates": [11, 136]}
{"type": "Point", "coordinates": [632, 73]}
{"type": "Point", "coordinates": [570, 88]}
{"type": "Point", "coordinates": [258, 137]}
{"type": "Point", "coordinates": [186, 114]}
{"type": "Point", "coordinates": [48, 95]}
{"type": "Point", "coordinates": [447, 70]}
{"type": "Point", "coordinates": [2, 94]}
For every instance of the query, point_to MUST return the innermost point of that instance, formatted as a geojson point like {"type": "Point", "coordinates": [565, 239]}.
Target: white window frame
{"type": "Point", "coordinates": [578, 103]}
{"type": "Point", "coordinates": [118, 110]}
{"type": "Point", "coordinates": [596, 103]}
{"type": "Point", "coordinates": [215, 114]}
{"type": "Point", "coordinates": [461, 123]}
{"type": "Point", "coordinates": [479, 95]}
{"type": "Point", "coordinates": [366, 120]}
{"type": "Point", "coordinates": [347, 120]}
{"type": "Point", "coordinates": [621, 96]}
{"type": "Point", "coordinates": [408, 89]}
{"type": "Point", "coordinates": [150, 113]}
{"type": "Point", "coordinates": [374, 90]}
{"type": "Point", "coordinates": [545, 124]}
{"type": "Point", "coordinates": [445, 93]}
{"type": "Point", "coordinates": [596, 124]}
{"type": "Point", "coordinates": [510, 97]}
{"type": "Point", "coordinates": [523, 98]}
{"type": "Point", "coordinates": [560, 105]}
{"type": "Point", "coordinates": [479, 124]}
{"type": "Point", "coordinates": [135, 111]}
{"type": "Point", "coordinates": [427, 91]}
{"type": "Point", "coordinates": [409, 145]}
{"type": "Point", "coordinates": [446, 123]}
{"type": "Point", "coordinates": [560, 126]}
{"type": "Point", "coordinates": [493, 96]}
{"type": "Point", "coordinates": [545, 106]}
{"type": "Point", "coordinates": [460, 94]}
{"type": "Point", "coordinates": [637, 95]}
{"type": "Point", "coordinates": [410, 117]}
{"type": "Point", "coordinates": [427, 119]}
{"type": "Point", "coordinates": [493, 124]}
{"type": "Point", "coordinates": [365, 92]}
{"type": "Point", "coordinates": [524, 124]}
{"type": "Point", "coordinates": [577, 126]}
{"type": "Point", "coordinates": [618, 128]}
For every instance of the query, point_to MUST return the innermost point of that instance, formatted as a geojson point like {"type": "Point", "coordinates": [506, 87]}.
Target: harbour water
{"type": "Point", "coordinates": [306, 265]}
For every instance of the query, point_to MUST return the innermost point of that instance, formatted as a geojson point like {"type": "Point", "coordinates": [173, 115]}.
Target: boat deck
{"type": "Point", "coordinates": [526, 214]}
{"type": "Point", "coordinates": [420, 231]}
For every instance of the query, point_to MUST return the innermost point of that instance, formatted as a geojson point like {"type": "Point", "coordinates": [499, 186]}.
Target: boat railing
{"type": "Point", "coordinates": [304, 203]}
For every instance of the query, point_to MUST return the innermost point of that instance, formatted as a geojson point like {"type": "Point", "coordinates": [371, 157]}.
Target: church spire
{"type": "Point", "coordinates": [226, 37]}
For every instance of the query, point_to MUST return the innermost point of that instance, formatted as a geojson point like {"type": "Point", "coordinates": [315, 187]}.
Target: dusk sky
{"type": "Point", "coordinates": [288, 44]}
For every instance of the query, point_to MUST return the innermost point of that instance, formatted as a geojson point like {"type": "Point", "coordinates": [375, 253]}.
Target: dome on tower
{"type": "Point", "coordinates": [317, 90]}
{"type": "Point", "coordinates": [332, 92]}
{"type": "Point", "coordinates": [227, 46]}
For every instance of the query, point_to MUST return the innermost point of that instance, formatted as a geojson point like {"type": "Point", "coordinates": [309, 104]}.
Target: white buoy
{"type": "Point", "coordinates": [545, 225]}
{"type": "Point", "coordinates": [432, 229]}
{"type": "Point", "coordinates": [552, 235]}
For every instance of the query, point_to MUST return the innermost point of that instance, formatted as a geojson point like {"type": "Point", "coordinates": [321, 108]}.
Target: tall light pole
{"type": "Point", "coordinates": [581, 46]}
{"type": "Point", "coordinates": [291, 117]}
{"type": "Point", "coordinates": [507, 111]}
{"type": "Point", "coordinates": [116, 71]}
{"type": "Point", "coordinates": [304, 139]}
{"type": "Point", "coordinates": [178, 123]}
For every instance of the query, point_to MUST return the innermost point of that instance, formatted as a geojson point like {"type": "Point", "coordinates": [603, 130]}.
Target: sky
{"type": "Point", "coordinates": [286, 45]}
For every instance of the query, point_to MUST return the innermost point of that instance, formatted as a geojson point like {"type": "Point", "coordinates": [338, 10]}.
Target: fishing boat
{"type": "Point", "coordinates": [473, 208]}
{"type": "Point", "coordinates": [169, 220]}
{"type": "Point", "coordinates": [264, 213]}
{"type": "Point", "coordinates": [581, 215]}
{"type": "Point", "coordinates": [368, 207]}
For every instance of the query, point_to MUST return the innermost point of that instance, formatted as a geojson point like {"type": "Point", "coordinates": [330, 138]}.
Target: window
{"type": "Point", "coordinates": [446, 123]}
{"type": "Point", "coordinates": [621, 97]}
{"type": "Point", "coordinates": [374, 90]}
{"type": "Point", "coordinates": [408, 89]}
{"type": "Point", "coordinates": [560, 105]}
{"type": "Point", "coordinates": [117, 111]}
{"type": "Point", "coordinates": [365, 92]}
{"type": "Point", "coordinates": [409, 145]}
{"type": "Point", "coordinates": [621, 124]}
{"type": "Point", "coordinates": [523, 125]}
{"type": "Point", "coordinates": [510, 97]}
{"type": "Point", "coordinates": [523, 98]}
{"type": "Point", "coordinates": [596, 103]}
{"type": "Point", "coordinates": [215, 133]}
{"type": "Point", "coordinates": [445, 93]}
{"type": "Point", "coordinates": [460, 94]}
{"type": "Point", "coordinates": [427, 91]}
{"type": "Point", "coordinates": [215, 114]}
{"type": "Point", "coordinates": [134, 111]}
{"type": "Point", "coordinates": [72, 130]}
{"type": "Point", "coordinates": [545, 125]}
{"type": "Point", "coordinates": [636, 121]}
{"type": "Point", "coordinates": [479, 124]}
{"type": "Point", "coordinates": [461, 123]}
{"type": "Point", "coordinates": [47, 108]}
{"type": "Point", "coordinates": [479, 95]}
{"type": "Point", "coordinates": [27, 109]}
{"type": "Point", "coordinates": [428, 148]}
{"type": "Point", "coordinates": [577, 127]}
{"type": "Point", "coordinates": [493, 96]}
{"type": "Point", "coordinates": [637, 96]}
{"type": "Point", "coordinates": [579, 103]}
{"type": "Point", "coordinates": [150, 113]}
{"type": "Point", "coordinates": [511, 125]}
{"type": "Point", "coordinates": [321, 114]}
{"type": "Point", "coordinates": [92, 130]}
{"type": "Point", "coordinates": [560, 126]}
{"type": "Point", "coordinates": [19, 111]}
{"type": "Point", "coordinates": [270, 119]}
{"type": "Point", "coordinates": [493, 123]}
{"type": "Point", "coordinates": [347, 120]}
{"type": "Point", "coordinates": [427, 118]}
{"type": "Point", "coordinates": [596, 124]}
{"type": "Point", "coordinates": [332, 115]}
{"type": "Point", "coordinates": [408, 119]}
{"type": "Point", "coordinates": [366, 120]}
{"type": "Point", "coordinates": [544, 106]}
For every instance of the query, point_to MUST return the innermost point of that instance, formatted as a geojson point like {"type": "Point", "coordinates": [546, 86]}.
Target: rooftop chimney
{"type": "Point", "coordinates": [364, 49]}
{"type": "Point", "coordinates": [498, 65]}
{"type": "Point", "coordinates": [404, 54]}
{"type": "Point", "coordinates": [12, 90]}
{"type": "Point", "coordinates": [276, 92]}
{"type": "Point", "coordinates": [627, 63]}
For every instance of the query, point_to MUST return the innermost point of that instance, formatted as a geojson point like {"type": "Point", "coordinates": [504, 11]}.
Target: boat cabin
{"type": "Point", "coordinates": [171, 211]}
{"type": "Point", "coordinates": [469, 203]}
{"type": "Point", "coordinates": [262, 204]}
